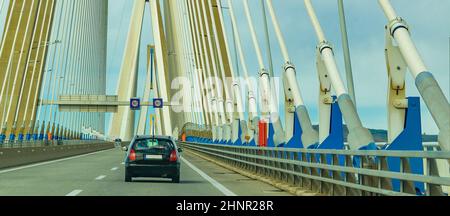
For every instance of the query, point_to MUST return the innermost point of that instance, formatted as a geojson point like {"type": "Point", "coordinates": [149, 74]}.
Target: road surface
{"type": "Point", "coordinates": [102, 174]}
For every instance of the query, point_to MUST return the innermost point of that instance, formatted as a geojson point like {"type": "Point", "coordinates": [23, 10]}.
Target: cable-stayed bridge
{"type": "Point", "coordinates": [53, 103]}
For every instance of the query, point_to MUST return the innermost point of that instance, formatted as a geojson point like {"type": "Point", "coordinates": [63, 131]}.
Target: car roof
{"type": "Point", "coordinates": [151, 137]}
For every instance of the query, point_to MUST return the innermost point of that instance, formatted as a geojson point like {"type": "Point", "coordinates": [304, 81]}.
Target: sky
{"type": "Point", "coordinates": [365, 22]}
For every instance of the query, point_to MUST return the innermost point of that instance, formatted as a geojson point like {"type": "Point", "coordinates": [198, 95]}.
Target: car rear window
{"type": "Point", "coordinates": [145, 145]}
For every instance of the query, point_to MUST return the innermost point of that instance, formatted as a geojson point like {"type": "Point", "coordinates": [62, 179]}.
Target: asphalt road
{"type": "Point", "coordinates": [102, 174]}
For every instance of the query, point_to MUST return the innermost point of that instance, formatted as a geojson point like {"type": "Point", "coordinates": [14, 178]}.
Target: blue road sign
{"type": "Point", "coordinates": [158, 103]}
{"type": "Point", "coordinates": [135, 103]}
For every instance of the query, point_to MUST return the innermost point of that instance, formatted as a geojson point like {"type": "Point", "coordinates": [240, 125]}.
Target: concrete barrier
{"type": "Point", "coordinates": [11, 157]}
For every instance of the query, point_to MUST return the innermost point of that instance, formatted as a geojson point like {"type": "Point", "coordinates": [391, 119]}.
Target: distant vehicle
{"type": "Point", "coordinates": [118, 143]}
{"type": "Point", "coordinates": [152, 156]}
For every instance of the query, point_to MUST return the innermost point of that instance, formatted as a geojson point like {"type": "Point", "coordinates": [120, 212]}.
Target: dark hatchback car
{"type": "Point", "coordinates": [149, 156]}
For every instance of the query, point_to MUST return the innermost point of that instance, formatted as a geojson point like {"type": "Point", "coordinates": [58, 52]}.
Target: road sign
{"type": "Point", "coordinates": [158, 103]}
{"type": "Point", "coordinates": [135, 103]}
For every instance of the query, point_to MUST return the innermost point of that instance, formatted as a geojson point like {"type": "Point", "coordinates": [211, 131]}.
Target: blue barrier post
{"type": "Point", "coordinates": [409, 140]}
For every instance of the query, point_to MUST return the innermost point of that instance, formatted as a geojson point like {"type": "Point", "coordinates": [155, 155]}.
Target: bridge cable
{"type": "Point", "coordinates": [1, 6]}
{"type": "Point", "coordinates": [269, 108]}
{"type": "Point", "coordinates": [199, 67]}
{"type": "Point", "coordinates": [85, 89]}
{"type": "Point", "coordinates": [79, 63]}
{"type": "Point", "coordinates": [41, 72]}
{"type": "Point", "coordinates": [75, 73]}
{"type": "Point", "coordinates": [191, 61]}
{"type": "Point", "coordinates": [50, 60]}
{"type": "Point", "coordinates": [66, 86]}
{"type": "Point", "coordinates": [220, 103]}
{"type": "Point", "coordinates": [25, 70]}
{"type": "Point", "coordinates": [35, 63]}
{"type": "Point", "coordinates": [64, 66]}
{"type": "Point", "coordinates": [229, 108]}
{"type": "Point", "coordinates": [57, 71]}
{"type": "Point", "coordinates": [182, 38]}
{"type": "Point", "coordinates": [205, 60]}
{"type": "Point", "coordinates": [16, 77]}
{"type": "Point", "coordinates": [202, 99]}
{"type": "Point", "coordinates": [201, 70]}
{"type": "Point", "coordinates": [235, 85]}
{"type": "Point", "coordinates": [8, 20]}
{"type": "Point", "coordinates": [359, 137]}
{"type": "Point", "coordinates": [9, 68]}
{"type": "Point", "coordinates": [251, 97]}
{"type": "Point", "coordinates": [1, 10]}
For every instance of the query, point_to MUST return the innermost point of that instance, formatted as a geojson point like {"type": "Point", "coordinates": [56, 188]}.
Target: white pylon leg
{"type": "Point", "coordinates": [123, 121]}
{"type": "Point", "coordinates": [162, 66]}
{"type": "Point", "coordinates": [144, 111]}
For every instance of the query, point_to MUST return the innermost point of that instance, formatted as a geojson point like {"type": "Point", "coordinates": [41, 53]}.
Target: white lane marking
{"type": "Point", "coordinates": [216, 184]}
{"type": "Point", "coordinates": [100, 177]}
{"type": "Point", "coordinates": [123, 163]}
{"type": "Point", "coordinates": [74, 193]}
{"type": "Point", "coordinates": [50, 162]}
{"type": "Point", "coordinates": [114, 168]}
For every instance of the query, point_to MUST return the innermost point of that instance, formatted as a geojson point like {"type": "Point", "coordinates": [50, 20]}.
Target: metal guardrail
{"type": "Point", "coordinates": [320, 170]}
{"type": "Point", "coordinates": [427, 146]}
{"type": "Point", "coordinates": [32, 144]}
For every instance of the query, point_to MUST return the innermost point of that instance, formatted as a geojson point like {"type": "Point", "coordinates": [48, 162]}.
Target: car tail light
{"type": "Point", "coordinates": [173, 156]}
{"type": "Point", "coordinates": [132, 156]}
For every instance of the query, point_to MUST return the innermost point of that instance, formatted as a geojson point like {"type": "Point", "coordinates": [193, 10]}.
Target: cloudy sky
{"type": "Point", "coordinates": [429, 21]}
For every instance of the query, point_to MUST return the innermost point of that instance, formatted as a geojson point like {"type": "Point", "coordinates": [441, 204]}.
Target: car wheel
{"type": "Point", "coordinates": [176, 179]}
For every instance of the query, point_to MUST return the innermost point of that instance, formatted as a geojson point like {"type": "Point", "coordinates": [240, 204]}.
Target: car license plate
{"type": "Point", "coordinates": [153, 157]}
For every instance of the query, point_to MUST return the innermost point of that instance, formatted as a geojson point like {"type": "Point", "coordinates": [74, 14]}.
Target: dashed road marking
{"type": "Point", "coordinates": [74, 193]}
{"type": "Point", "coordinates": [114, 168]}
{"type": "Point", "coordinates": [100, 177]}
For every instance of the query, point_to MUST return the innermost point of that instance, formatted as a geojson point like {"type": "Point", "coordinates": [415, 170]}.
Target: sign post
{"type": "Point", "coordinates": [152, 124]}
